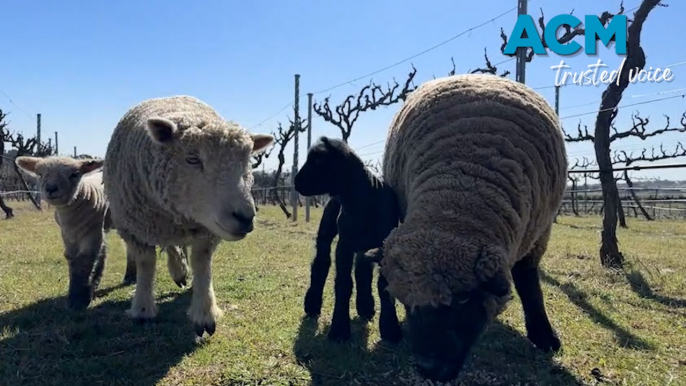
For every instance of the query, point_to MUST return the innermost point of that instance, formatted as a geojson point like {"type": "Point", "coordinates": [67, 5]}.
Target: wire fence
{"type": "Point", "coordinates": [648, 203]}
{"type": "Point", "coordinates": [657, 203]}
{"type": "Point", "coordinates": [18, 195]}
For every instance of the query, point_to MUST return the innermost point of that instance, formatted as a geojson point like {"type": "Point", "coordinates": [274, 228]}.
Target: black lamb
{"type": "Point", "coordinates": [365, 211]}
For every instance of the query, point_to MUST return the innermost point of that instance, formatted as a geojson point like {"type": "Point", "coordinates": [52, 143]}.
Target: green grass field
{"type": "Point", "coordinates": [628, 328]}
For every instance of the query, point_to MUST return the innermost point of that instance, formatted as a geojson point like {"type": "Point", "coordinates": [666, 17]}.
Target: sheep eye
{"type": "Point", "coordinates": [74, 175]}
{"type": "Point", "coordinates": [193, 159]}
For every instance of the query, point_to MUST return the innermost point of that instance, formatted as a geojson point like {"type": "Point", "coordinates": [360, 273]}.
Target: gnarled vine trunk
{"type": "Point", "coordinates": [9, 213]}
{"type": "Point", "coordinates": [610, 256]}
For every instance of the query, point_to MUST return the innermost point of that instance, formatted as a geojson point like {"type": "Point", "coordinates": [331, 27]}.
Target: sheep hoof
{"type": "Point", "coordinates": [76, 305]}
{"type": "Point", "coordinates": [128, 281]}
{"type": "Point", "coordinates": [548, 343]}
{"type": "Point", "coordinates": [142, 314]}
{"type": "Point", "coordinates": [338, 334]}
{"type": "Point", "coordinates": [204, 319]}
{"type": "Point", "coordinates": [181, 283]}
{"type": "Point", "coordinates": [200, 329]}
{"type": "Point", "coordinates": [392, 334]}
{"type": "Point", "coordinates": [140, 320]}
{"type": "Point", "coordinates": [365, 311]}
{"type": "Point", "coordinates": [79, 297]}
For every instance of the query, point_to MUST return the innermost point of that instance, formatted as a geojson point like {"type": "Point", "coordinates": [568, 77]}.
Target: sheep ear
{"type": "Point", "coordinates": [27, 164]}
{"type": "Point", "coordinates": [491, 273]}
{"type": "Point", "coordinates": [161, 130]}
{"type": "Point", "coordinates": [89, 165]}
{"type": "Point", "coordinates": [261, 141]}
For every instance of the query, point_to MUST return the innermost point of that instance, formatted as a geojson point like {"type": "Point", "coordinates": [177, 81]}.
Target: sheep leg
{"type": "Point", "coordinates": [203, 311]}
{"type": "Point", "coordinates": [99, 267]}
{"type": "Point", "coordinates": [528, 284]}
{"type": "Point", "coordinates": [322, 260]}
{"type": "Point", "coordinates": [143, 305]}
{"type": "Point", "coordinates": [318, 273]}
{"type": "Point", "coordinates": [364, 275]}
{"type": "Point", "coordinates": [80, 291]}
{"type": "Point", "coordinates": [130, 274]}
{"type": "Point", "coordinates": [389, 326]}
{"type": "Point", "coordinates": [343, 288]}
{"type": "Point", "coordinates": [176, 265]}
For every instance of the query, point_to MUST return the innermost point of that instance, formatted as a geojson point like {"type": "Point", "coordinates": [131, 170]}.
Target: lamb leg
{"type": "Point", "coordinates": [389, 327]}
{"type": "Point", "coordinates": [343, 288]}
{"type": "Point", "coordinates": [328, 229]}
{"type": "Point", "coordinates": [364, 275]}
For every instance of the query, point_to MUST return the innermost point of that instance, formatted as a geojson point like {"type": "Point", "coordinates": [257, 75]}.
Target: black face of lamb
{"type": "Point", "coordinates": [324, 170]}
{"type": "Point", "coordinates": [442, 337]}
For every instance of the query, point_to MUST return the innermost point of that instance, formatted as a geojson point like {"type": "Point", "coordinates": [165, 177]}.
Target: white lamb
{"type": "Point", "coordinates": [74, 188]}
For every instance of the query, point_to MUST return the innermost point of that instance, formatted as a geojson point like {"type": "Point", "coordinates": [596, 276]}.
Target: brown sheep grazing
{"type": "Point", "coordinates": [479, 167]}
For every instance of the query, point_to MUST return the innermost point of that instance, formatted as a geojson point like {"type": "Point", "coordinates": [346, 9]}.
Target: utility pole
{"type": "Point", "coordinates": [557, 100]}
{"type": "Point", "coordinates": [57, 147]}
{"type": "Point", "coordinates": [296, 108]}
{"type": "Point", "coordinates": [74, 151]}
{"type": "Point", "coordinates": [309, 143]}
{"type": "Point", "coordinates": [38, 129]}
{"type": "Point", "coordinates": [521, 52]}
{"type": "Point", "coordinates": [38, 146]}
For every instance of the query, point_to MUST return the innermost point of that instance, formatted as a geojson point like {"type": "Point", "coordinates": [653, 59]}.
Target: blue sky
{"type": "Point", "coordinates": [83, 64]}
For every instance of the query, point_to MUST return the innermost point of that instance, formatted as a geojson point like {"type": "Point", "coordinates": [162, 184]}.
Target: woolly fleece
{"type": "Point", "coordinates": [479, 167]}
{"type": "Point", "coordinates": [80, 212]}
{"type": "Point", "coordinates": [149, 196]}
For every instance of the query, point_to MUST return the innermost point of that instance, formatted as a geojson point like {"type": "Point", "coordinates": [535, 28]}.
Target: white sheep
{"type": "Point", "coordinates": [177, 173]}
{"type": "Point", "coordinates": [479, 166]}
{"type": "Point", "coordinates": [74, 187]}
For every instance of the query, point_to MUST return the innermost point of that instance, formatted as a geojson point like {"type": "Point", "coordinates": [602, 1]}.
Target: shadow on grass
{"type": "Point", "coordinates": [641, 287]}
{"type": "Point", "coordinates": [43, 344]}
{"type": "Point", "coordinates": [502, 357]}
{"type": "Point", "coordinates": [623, 337]}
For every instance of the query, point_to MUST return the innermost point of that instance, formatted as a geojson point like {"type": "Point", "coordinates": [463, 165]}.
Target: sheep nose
{"type": "Point", "coordinates": [50, 188]}
{"type": "Point", "coordinates": [246, 222]}
{"type": "Point", "coordinates": [436, 371]}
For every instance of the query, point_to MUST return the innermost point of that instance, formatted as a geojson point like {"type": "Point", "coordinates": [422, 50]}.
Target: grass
{"type": "Point", "coordinates": [626, 328]}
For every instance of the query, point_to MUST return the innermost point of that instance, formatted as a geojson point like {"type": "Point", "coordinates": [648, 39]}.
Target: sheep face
{"type": "Point", "coordinates": [209, 174]}
{"type": "Point", "coordinates": [324, 169]}
{"type": "Point", "coordinates": [59, 177]}
{"type": "Point", "coordinates": [451, 288]}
